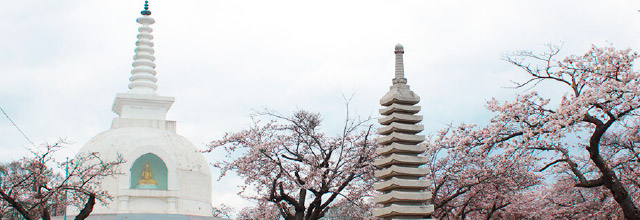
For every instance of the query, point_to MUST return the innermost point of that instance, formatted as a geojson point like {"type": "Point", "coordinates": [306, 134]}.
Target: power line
{"type": "Point", "coordinates": [14, 125]}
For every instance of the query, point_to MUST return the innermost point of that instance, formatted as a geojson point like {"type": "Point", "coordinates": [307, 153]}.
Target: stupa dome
{"type": "Point", "coordinates": [183, 175]}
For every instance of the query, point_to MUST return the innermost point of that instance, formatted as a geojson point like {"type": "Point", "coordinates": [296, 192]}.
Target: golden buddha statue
{"type": "Point", "coordinates": [147, 176]}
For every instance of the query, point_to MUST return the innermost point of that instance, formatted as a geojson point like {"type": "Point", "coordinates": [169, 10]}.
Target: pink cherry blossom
{"type": "Point", "coordinates": [35, 187]}
{"type": "Point", "coordinates": [289, 166]}
{"type": "Point", "coordinates": [576, 159]}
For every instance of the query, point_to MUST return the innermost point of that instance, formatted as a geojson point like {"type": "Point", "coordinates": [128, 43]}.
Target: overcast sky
{"type": "Point", "coordinates": [63, 61]}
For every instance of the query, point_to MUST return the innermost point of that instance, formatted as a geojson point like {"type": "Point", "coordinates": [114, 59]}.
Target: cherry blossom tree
{"type": "Point", "coordinates": [348, 210]}
{"type": "Point", "coordinates": [472, 182]}
{"type": "Point", "coordinates": [562, 200]}
{"type": "Point", "coordinates": [222, 211]}
{"type": "Point", "coordinates": [585, 142]}
{"type": "Point", "coordinates": [264, 210]}
{"type": "Point", "coordinates": [35, 187]}
{"type": "Point", "coordinates": [298, 170]}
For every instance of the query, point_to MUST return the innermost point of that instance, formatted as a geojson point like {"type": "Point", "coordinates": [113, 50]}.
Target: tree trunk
{"type": "Point", "coordinates": [88, 207]}
{"type": "Point", "coordinates": [45, 213]}
{"type": "Point", "coordinates": [490, 213]}
{"type": "Point", "coordinates": [611, 181]}
{"type": "Point", "coordinates": [15, 204]}
{"type": "Point", "coordinates": [300, 209]}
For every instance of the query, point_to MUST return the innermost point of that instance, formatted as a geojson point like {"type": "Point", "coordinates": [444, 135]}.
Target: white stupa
{"type": "Point", "coordinates": [164, 174]}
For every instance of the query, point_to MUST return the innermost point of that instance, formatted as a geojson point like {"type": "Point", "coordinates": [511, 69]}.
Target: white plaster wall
{"type": "Point", "coordinates": [191, 207]}
{"type": "Point", "coordinates": [148, 205]}
{"type": "Point", "coordinates": [199, 181]}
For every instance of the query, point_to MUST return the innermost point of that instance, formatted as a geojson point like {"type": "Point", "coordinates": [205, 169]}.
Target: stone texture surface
{"type": "Point", "coordinates": [402, 179]}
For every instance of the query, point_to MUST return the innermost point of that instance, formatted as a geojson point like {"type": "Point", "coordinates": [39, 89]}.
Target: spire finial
{"type": "Point", "coordinates": [399, 78]}
{"type": "Point", "coordinates": [146, 9]}
{"type": "Point", "coordinates": [143, 76]}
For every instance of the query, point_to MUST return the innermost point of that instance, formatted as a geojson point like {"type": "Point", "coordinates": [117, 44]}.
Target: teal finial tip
{"type": "Point", "coordinates": [146, 9]}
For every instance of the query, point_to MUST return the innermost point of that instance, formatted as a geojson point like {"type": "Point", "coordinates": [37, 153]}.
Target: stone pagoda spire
{"type": "Point", "coordinates": [141, 106]}
{"type": "Point", "coordinates": [143, 76]}
{"type": "Point", "coordinates": [401, 177]}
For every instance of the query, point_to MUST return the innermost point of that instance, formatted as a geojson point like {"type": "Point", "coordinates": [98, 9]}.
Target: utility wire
{"type": "Point", "coordinates": [14, 125]}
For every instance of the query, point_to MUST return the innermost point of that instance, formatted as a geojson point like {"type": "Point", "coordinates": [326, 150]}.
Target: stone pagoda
{"type": "Point", "coordinates": [401, 177]}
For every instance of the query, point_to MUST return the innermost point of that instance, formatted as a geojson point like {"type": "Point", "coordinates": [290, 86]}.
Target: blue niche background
{"type": "Point", "coordinates": [157, 166]}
